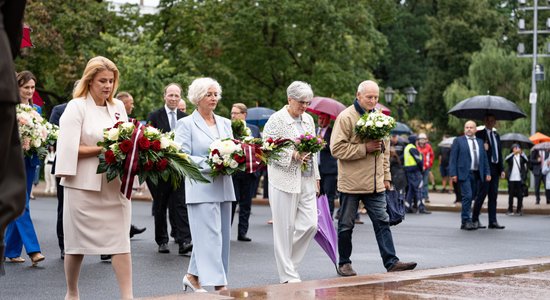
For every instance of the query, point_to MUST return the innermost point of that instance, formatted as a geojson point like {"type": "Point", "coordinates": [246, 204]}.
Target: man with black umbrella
{"type": "Point", "coordinates": [493, 149]}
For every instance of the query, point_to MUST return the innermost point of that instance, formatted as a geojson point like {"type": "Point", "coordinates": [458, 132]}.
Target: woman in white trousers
{"type": "Point", "coordinates": [292, 192]}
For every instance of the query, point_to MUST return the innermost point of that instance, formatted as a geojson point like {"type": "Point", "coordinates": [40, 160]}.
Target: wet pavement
{"type": "Point", "coordinates": [511, 279]}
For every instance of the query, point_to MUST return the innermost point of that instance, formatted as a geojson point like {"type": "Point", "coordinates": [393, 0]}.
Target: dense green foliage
{"type": "Point", "coordinates": [448, 50]}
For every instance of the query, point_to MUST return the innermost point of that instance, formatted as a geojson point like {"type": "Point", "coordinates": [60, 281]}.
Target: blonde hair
{"type": "Point", "coordinates": [94, 66]}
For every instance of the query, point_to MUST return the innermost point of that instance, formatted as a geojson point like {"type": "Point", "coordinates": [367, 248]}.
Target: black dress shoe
{"type": "Point", "coordinates": [244, 238]}
{"type": "Point", "coordinates": [104, 257]}
{"type": "Point", "coordinates": [478, 225]}
{"type": "Point", "coordinates": [134, 230]}
{"type": "Point", "coordinates": [496, 226]}
{"type": "Point", "coordinates": [424, 211]}
{"type": "Point", "coordinates": [185, 248]}
{"type": "Point", "coordinates": [163, 248]}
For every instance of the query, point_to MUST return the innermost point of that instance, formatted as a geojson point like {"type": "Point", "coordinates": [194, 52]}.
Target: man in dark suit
{"type": "Point", "coordinates": [12, 177]}
{"type": "Point", "coordinates": [243, 182]}
{"type": "Point", "coordinates": [468, 165]}
{"type": "Point", "coordinates": [493, 150]}
{"type": "Point", "coordinates": [537, 157]}
{"type": "Point", "coordinates": [328, 165]}
{"type": "Point", "coordinates": [57, 111]}
{"type": "Point", "coordinates": [164, 196]}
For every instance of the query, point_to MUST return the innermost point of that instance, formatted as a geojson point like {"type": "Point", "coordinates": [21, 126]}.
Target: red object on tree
{"type": "Point", "coordinates": [26, 40]}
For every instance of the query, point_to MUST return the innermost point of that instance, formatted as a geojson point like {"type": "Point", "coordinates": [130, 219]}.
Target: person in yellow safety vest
{"type": "Point", "coordinates": [413, 169]}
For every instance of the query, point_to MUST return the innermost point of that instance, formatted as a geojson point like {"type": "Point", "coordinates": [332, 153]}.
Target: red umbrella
{"type": "Point", "coordinates": [26, 40]}
{"type": "Point", "coordinates": [384, 109]}
{"type": "Point", "coordinates": [327, 106]}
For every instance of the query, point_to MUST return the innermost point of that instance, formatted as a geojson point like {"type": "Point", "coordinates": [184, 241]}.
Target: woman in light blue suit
{"type": "Point", "coordinates": [208, 204]}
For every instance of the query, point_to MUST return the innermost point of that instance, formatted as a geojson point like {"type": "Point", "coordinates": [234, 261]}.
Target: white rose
{"type": "Point", "coordinates": [379, 124]}
{"type": "Point", "coordinates": [36, 143]}
{"type": "Point", "coordinates": [113, 134]}
{"type": "Point", "coordinates": [361, 122]}
{"type": "Point", "coordinates": [368, 123]}
{"type": "Point", "coordinates": [151, 131]}
{"type": "Point", "coordinates": [227, 147]}
{"type": "Point", "coordinates": [216, 159]}
{"type": "Point", "coordinates": [233, 164]}
{"type": "Point", "coordinates": [164, 142]}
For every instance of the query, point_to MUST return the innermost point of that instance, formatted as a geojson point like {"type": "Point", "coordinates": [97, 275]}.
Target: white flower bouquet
{"type": "Point", "coordinates": [374, 126]}
{"type": "Point", "coordinates": [226, 156]}
{"type": "Point", "coordinates": [35, 132]}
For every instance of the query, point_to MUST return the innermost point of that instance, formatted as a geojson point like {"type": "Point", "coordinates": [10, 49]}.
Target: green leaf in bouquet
{"type": "Point", "coordinates": [111, 174]}
{"type": "Point", "coordinates": [187, 168]}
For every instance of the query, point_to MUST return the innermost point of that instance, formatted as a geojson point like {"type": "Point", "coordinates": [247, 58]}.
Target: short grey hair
{"type": "Point", "coordinates": [363, 85]}
{"type": "Point", "coordinates": [199, 87]}
{"type": "Point", "coordinates": [299, 90]}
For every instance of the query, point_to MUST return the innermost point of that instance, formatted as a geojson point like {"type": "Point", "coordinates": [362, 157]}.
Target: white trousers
{"type": "Point", "coordinates": [50, 179]}
{"type": "Point", "coordinates": [294, 226]}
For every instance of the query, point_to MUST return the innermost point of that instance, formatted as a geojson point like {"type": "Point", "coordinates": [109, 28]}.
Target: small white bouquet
{"type": "Point", "coordinates": [226, 157]}
{"type": "Point", "coordinates": [374, 126]}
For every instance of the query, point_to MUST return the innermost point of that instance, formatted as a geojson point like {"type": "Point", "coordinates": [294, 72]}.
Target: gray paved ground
{"type": "Point", "coordinates": [431, 240]}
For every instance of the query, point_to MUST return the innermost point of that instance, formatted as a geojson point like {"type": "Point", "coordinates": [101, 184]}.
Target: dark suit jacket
{"type": "Point", "coordinates": [329, 164]}
{"type": "Point", "coordinates": [535, 164]}
{"type": "Point", "coordinates": [482, 134]}
{"type": "Point", "coordinates": [460, 161]}
{"type": "Point", "coordinates": [11, 28]}
{"type": "Point", "coordinates": [57, 111]}
{"type": "Point", "coordinates": [159, 119]}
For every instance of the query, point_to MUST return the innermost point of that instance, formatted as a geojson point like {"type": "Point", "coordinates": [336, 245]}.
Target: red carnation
{"type": "Point", "coordinates": [117, 124]}
{"type": "Point", "coordinates": [162, 164]}
{"type": "Point", "coordinates": [219, 167]}
{"type": "Point", "coordinates": [238, 158]}
{"type": "Point", "coordinates": [148, 165]}
{"type": "Point", "coordinates": [126, 146]}
{"type": "Point", "coordinates": [144, 143]}
{"type": "Point", "coordinates": [216, 151]}
{"type": "Point", "coordinates": [110, 157]}
{"type": "Point", "coordinates": [269, 140]}
{"type": "Point", "coordinates": [155, 145]}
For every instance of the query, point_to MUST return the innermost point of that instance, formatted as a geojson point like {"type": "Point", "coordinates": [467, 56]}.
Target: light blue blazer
{"type": "Point", "coordinates": [194, 136]}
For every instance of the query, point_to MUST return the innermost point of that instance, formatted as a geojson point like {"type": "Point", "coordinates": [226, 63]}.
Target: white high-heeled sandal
{"type": "Point", "coordinates": [186, 283]}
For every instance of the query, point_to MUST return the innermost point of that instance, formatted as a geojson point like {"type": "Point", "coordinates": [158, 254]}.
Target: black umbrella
{"type": "Point", "coordinates": [515, 138]}
{"type": "Point", "coordinates": [401, 128]}
{"type": "Point", "coordinates": [478, 107]}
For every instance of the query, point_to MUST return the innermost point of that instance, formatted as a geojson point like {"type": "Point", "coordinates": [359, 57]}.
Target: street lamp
{"type": "Point", "coordinates": [410, 92]}
{"type": "Point", "coordinates": [388, 94]}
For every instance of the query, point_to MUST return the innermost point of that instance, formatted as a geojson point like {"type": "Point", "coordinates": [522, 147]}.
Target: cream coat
{"type": "Point", "coordinates": [77, 128]}
{"type": "Point", "coordinates": [358, 172]}
{"type": "Point", "coordinates": [285, 174]}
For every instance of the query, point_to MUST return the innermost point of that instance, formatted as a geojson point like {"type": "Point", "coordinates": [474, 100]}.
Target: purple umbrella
{"type": "Point", "coordinates": [326, 234]}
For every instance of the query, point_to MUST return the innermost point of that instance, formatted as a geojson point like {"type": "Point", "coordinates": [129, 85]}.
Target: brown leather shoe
{"type": "Point", "coordinates": [346, 270]}
{"type": "Point", "coordinates": [402, 266]}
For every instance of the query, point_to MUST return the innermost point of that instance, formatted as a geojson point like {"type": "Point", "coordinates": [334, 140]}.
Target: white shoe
{"type": "Point", "coordinates": [186, 283]}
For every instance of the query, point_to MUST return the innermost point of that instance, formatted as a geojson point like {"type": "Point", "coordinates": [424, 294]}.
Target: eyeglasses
{"type": "Point", "coordinates": [236, 113]}
{"type": "Point", "coordinates": [306, 103]}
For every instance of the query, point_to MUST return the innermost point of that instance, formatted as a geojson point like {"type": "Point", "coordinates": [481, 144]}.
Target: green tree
{"type": "Point", "coordinates": [256, 48]}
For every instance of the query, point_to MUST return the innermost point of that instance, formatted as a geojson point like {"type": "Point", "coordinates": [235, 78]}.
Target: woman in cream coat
{"type": "Point", "coordinates": [208, 204]}
{"type": "Point", "coordinates": [292, 192]}
{"type": "Point", "coordinates": [96, 215]}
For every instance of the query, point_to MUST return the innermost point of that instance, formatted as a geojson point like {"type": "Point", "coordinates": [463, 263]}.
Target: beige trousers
{"type": "Point", "coordinates": [294, 226]}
